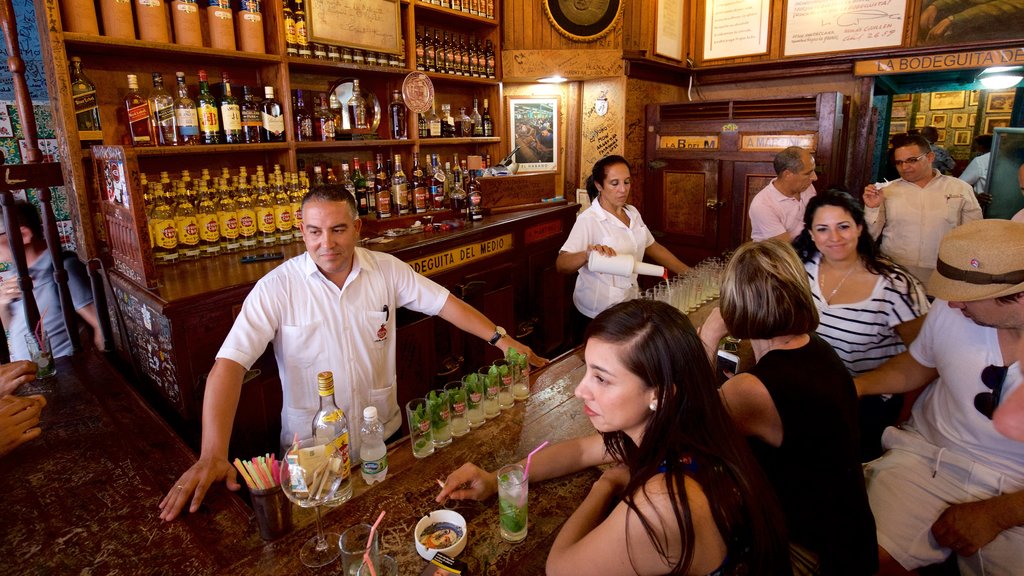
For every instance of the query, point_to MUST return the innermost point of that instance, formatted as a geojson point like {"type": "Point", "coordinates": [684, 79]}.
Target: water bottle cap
{"type": "Point", "coordinates": [370, 413]}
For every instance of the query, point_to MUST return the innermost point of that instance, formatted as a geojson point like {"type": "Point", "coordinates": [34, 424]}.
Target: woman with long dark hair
{"type": "Point", "coordinates": [684, 493]}
{"type": "Point", "coordinates": [870, 308]}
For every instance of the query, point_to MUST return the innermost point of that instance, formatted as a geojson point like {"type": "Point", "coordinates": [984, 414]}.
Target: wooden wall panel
{"type": "Point", "coordinates": [640, 93]}
{"type": "Point", "coordinates": [684, 205]}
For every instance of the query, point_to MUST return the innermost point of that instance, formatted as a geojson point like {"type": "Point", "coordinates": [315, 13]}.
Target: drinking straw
{"type": "Point", "coordinates": [262, 473]}
{"type": "Point", "coordinates": [369, 542]}
{"type": "Point", "coordinates": [245, 475]}
{"type": "Point", "coordinates": [275, 468]}
{"type": "Point", "coordinates": [255, 476]}
{"type": "Point", "coordinates": [40, 333]}
{"type": "Point", "coordinates": [529, 458]}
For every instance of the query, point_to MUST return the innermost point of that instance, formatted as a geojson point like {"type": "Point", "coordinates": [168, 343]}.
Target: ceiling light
{"type": "Point", "coordinates": [555, 79]}
{"type": "Point", "coordinates": [1001, 77]}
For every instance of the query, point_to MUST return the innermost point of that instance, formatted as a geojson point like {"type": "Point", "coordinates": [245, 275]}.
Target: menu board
{"type": "Point", "coordinates": [815, 26]}
{"type": "Point", "coordinates": [735, 28]}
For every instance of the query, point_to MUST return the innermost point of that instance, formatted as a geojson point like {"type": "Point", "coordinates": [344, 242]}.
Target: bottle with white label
{"type": "Point", "coordinates": [330, 426]}
{"type": "Point", "coordinates": [372, 451]}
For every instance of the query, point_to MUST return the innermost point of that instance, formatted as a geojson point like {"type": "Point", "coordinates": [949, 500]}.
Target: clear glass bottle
{"type": "Point", "coordinates": [303, 118]}
{"type": "Point", "coordinates": [347, 182]}
{"type": "Point", "coordinates": [186, 118]}
{"type": "Point", "coordinates": [356, 106]}
{"type": "Point", "coordinates": [433, 123]}
{"type": "Point", "coordinates": [87, 110]}
{"type": "Point", "coordinates": [477, 121]}
{"type": "Point", "coordinates": [323, 121]}
{"type": "Point", "coordinates": [271, 117]}
{"type": "Point", "coordinates": [137, 109]}
{"type": "Point", "coordinates": [230, 114]}
{"type": "Point", "coordinates": [463, 124]}
{"type": "Point", "coordinates": [330, 426]}
{"type": "Point", "coordinates": [447, 122]}
{"type": "Point", "coordinates": [397, 115]}
{"type": "Point", "coordinates": [161, 113]}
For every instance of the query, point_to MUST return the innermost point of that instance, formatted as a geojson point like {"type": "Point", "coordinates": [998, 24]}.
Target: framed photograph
{"type": "Point", "coordinates": [1006, 158]}
{"type": "Point", "coordinates": [939, 120]}
{"type": "Point", "coordinates": [533, 130]}
{"type": "Point", "coordinates": [734, 29]}
{"type": "Point", "coordinates": [902, 97]}
{"type": "Point", "coordinates": [336, 22]}
{"type": "Point", "coordinates": [920, 120]}
{"type": "Point", "coordinates": [948, 100]}
{"type": "Point", "coordinates": [941, 135]}
{"type": "Point", "coordinates": [668, 34]}
{"type": "Point", "coordinates": [897, 127]}
{"type": "Point", "coordinates": [962, 138]}
{"type": "Point", "coordinates": [900, 111]}
{"type": "Point", "coordinates": [975, 96]}
{"type": "Point", "coordinates": [959, 120]}
{"type": "Point", "coordinates": [993, 122]}
{"type": "Point", "coordinates": [999, 102]}
{"type": "Point", "coordinates": [972, 120]}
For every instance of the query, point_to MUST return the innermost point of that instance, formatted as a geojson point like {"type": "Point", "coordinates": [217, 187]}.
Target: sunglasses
{"type": "Point", "coordinates": [993, 378]}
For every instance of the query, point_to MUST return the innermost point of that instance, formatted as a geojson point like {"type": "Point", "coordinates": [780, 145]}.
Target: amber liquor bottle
{"type": "Point", "coordinates": [137, 108]}
{"type": "Point", "coordinates": [382, 190]}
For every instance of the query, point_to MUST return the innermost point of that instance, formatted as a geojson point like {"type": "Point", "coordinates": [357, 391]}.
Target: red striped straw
{"type": "Point", "coordinates": [369, 543]}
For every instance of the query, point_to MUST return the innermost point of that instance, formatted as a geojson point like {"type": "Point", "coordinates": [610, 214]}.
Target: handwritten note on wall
{"type": "Point", "coordinates": [735, 28]}
{"type": "Point", "coordinates": [814, 26]}
{"type": "Point", "coordinates": [28, 42]}
{"type": "Point", "coordinates": [370, 24]}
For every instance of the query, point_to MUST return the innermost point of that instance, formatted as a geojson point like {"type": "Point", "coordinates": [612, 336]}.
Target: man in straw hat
{"type": "Point", "coordinates": [949, 482]}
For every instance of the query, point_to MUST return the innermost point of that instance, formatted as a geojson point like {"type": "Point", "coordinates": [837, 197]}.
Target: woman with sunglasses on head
{"type": "Point", "coordinates": [683, 495]}
{"type": "Point", "coordinates": [798, 407]}
{"type": "Point", "coordinates": [869, 308]}
{"type": "Point", "coordinates": [609, 227]}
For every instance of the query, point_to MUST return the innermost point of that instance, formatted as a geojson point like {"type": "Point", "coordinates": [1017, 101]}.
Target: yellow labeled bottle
{"type": "Point", "coordinates": [247, 227]}
{"type": "Point", "coordinates": [185, 17]}
{"type": "Point", "coordinates": [209, 222]}
{"type": "Point", "coordinates": [330, 426]}
{"type": "Point", "coordinates": [282, 211]}
{"type": "Point", "coordinates": [161, 220]}
{"type": "Point", "coordinates": [117, 19]}
{"type": "Point", "coordinates": [295, 193]}
{"type": "Point", "coordinates": [265, 213]}
{"type": "Point", "coordinates": [152, 19]}
{"type": "Point", "coordinates": [187, 226]}
{"type": "Point", "coordinates": [227, 215]}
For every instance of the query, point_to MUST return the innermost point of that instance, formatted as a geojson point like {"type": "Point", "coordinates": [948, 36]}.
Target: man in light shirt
{"type": "Point", "coordinates": [777, 211]}
{"type": "Point", "coordinates": [331, 308]}
{"type": "Point", "coordinates": [912, 214]}
{"type": "Point", "coordinates": [976, 173]}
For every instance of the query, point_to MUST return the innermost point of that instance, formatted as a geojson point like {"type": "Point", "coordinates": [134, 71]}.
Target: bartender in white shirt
{"type": "Point", "coordinates": [331, 308]}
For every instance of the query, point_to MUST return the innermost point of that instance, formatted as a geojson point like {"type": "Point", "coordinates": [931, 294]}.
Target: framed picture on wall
{"type": "Point", "coordinates": [999, 102]}
{"type": "Point", "coordinates": [897, 127]}
{"type": "Point", "coordinates": [533, 128]}
{"type": "Point", "coordinates": [972, 120]}
{"type": "Point", "coordinates": [900, 111]}
{"type": "Point", "coordinates": [941, 135]}
{"type": "Point", "coordinates": [993, 122]}
{"type": "Point", "coordinates": [959, 120]}
{"type": "Point", "coordinates": [948, 100]}
{"type": "Point", "coordinates": [902, 97]}
{"type": "Point", "coordinates": [962, 138]}
{"type": "Point", "coordinates": [920, 120]}
{"type": "Point", "coordinates": [939, 120]}
{"type": "Point", "coordinates": [974, 97]}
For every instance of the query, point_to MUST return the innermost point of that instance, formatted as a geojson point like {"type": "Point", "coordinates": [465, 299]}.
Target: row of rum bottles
{"type": "Point", "coordinates": [450, 53]}
{"type": "Point", "coordinates": [388, 191]}
{"type": "Point", "coordinates": [190, 219]}
{"type": "Point", "coordinates": [463, 125]}
{"type": "Point", "coordinates": [481, 8]}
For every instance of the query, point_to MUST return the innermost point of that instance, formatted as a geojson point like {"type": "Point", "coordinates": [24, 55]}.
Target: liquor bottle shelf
{"type": "Point", "coordinates": [299, 146]}
{"type": "Point", "coordinates": [208, 149]}
{"type": "Point", "coordinates": [457, 141]}
{"type": "Point", "coordinates": [106, 45]}
{"type": "Point", "coordinates": [462, 79]}
{"type": "Point", "coordinates": [439, 12]}
{"type": "Point", "coordinates": [310, 65]}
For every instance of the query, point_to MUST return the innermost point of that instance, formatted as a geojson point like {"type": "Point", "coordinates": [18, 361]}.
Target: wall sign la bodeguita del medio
{"type": "Point", "coordinates": [929, 62]}
{"type": "Point", "coordinates": [449, 259]}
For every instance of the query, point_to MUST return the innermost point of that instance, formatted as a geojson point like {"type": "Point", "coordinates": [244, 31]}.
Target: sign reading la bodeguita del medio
{"type": "Point", "coordinates": [931, 62]}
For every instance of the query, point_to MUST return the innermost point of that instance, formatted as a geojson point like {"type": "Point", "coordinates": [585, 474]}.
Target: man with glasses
{"type": "Point", "coordinates": [949, 482]}
{"type": "Point", "coordinates": [912, 214]}
{"type": "Point", "coordinates": [777, 211]}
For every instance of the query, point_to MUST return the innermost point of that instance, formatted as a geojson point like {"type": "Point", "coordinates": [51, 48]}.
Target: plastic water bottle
{"type": "Point", "coordinates": [372, 451]}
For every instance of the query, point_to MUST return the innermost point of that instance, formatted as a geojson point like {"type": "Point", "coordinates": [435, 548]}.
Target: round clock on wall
{"type": "Point", "coordinates": [583, 20]}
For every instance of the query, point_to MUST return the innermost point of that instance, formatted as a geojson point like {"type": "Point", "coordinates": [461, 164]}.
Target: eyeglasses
{"type": "Point", "coordinates": [909, 161]}
{"type": "Point", "coordinates": [993, 378]}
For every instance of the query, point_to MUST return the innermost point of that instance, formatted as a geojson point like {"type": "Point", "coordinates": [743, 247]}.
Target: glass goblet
{"type": "Point", "coordinates": [311, 473]}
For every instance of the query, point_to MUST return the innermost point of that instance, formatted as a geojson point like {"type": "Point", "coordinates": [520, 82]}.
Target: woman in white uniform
{"type": "Point", "coordinates": [610, 227]}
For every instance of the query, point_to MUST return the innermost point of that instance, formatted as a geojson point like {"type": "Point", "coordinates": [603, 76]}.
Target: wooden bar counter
{"type": "Point", "coordinates": [83, 497]}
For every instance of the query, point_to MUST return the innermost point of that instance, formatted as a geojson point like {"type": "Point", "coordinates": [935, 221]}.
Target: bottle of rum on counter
{"type": "Point", "coordinates": [137, 109]}
{"type": "Point", "coordinates": [330, 426]}
{"type": "Point", "coordinates": [87, 111]}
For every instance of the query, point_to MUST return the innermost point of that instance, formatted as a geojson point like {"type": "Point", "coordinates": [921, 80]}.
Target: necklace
{"type": "Point", "coordinates": [821, 280]}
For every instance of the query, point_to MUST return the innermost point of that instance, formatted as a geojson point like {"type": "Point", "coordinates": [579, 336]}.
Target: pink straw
{"type": "Point", "coordinates": [529, 458]}
{"type": "Point", "coordinates": [369, 543]}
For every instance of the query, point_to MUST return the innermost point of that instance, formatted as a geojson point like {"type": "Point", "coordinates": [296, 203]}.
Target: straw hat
{"type": "Point", "coordinates": [980, 260]}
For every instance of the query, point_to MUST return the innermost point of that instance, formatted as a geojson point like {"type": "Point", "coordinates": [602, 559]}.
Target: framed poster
{"type": "Point", "coordinates": [920, 120]}
{"type": "Point", "coordinates": [948, 100]}
{"type": "Point", "coordinates": [959, 120]}
{"type": "Point", "coordinates": [940, 135]}
{"type": "Point", "coordinates": [734, 29]}
{"type": "Point", "coordinates": [584, 21]}
{"type": "Point", "coordinates": [900, 111]}
{"type": "Point", "coordinates": [999, 102]}
{"type": "Point", "coordinates": [368, 24]}
{"type": "Point", "coordinates": [815, 26]}
{"type": "Point", "coordinates": [975, 96]}
{"type": "Point", "coordinates": [668, 34]}
{"type": "Point", "coordinates": [993, 122]}
{"type": "Point", "coordinates": [939, 120]}
{"type": "Point", "coordinates": [972, 120]}
{"type": "Point", "coordinates": [962, 138]}
{"type": "Point", "coordinates": [902, 97]}
{"type": "Point", "coordinates": [533, 130]}
{"type": "Point", "coordinates": [897, 127]}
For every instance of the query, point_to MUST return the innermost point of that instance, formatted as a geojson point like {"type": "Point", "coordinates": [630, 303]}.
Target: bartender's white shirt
{"type": "Point", "coordinates": [596, 291]}
{"type": "Point", "coordinates": [315, 326]}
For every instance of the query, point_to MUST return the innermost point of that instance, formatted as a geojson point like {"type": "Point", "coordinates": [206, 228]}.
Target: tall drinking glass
{"type": "Point", "coordinates": [457, 402]}
{"type": "Point", "coordinates": [492, 385]}
{"type": "Point", "coordinates": [420, 435]}
{"type": "Point", "coordinates": [353, 544]}
{"type": "Point", "coordinates": [521, 382]}
{"type": "Point", "coordinates": [513, 492]}
{"type": "Point", "coordinates": [311, 473]}
{"type": "Point", "coordinates": [503, 370]}
{"type": "Point", "coordinates": [473, 384]}
{"type": "Point", "coordinates": [440, 417]}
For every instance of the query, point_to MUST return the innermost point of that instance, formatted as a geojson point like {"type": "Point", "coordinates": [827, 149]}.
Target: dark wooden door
{"type": "Point", "coordinates": [684, 209]}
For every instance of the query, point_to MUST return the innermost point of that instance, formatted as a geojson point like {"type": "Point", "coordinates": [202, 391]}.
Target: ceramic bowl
{"type": "Point", "coordinates": [440, 531]}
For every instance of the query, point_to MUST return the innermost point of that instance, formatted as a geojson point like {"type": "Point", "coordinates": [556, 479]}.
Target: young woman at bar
{"type": "Point", "coordinates": [869, 308]}
{"type": "Point", "coordinates": [609, 227]}
{"type": "Point", "coordinates": [684, 494]}
{"type": "Point", "coordinates": [798, 408]}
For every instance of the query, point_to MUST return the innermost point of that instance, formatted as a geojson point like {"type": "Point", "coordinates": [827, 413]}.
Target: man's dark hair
{"type": "Point", "coordinates": [332, 194]}
{"type": "Point", "coordinates": [912, 140]}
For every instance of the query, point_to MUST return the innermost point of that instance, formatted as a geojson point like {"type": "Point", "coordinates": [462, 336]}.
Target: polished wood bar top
{"type": "Point", "coordinates": [202, 278]}
{"type": "Point", "coordinates": [83, 497]}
